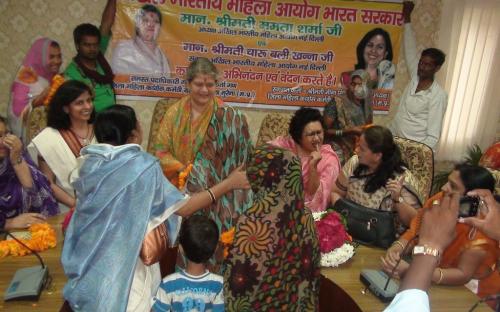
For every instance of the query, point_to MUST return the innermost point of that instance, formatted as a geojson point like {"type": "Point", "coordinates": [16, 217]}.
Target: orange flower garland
{"type": "Point", "coordinates": [57, 81]}
{"type": "Point", "coordinates": [227, 239]}
{"type": "Point", "coordinates": [43, 237]}
{"type": "Point", "coordinates": [183, 176]}
{"type": "Point", "coordinates": [27, 75]}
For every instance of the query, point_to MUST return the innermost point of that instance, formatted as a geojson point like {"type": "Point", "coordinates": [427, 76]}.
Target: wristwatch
{"type": "Point", "coordinates": [427, 251]}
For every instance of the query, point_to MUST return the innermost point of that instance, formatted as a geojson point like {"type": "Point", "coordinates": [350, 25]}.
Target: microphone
{"type": "Point", "coordinates": [381, 284]}
{"type": "Point", "coordinates": [27, 283]}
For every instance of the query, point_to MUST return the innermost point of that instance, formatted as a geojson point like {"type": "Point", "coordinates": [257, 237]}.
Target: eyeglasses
{"type": "Point", "coordinates": [314, 133]}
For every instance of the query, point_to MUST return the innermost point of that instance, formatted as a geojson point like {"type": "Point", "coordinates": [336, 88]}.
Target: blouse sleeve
{"type": "Point", "coordinates": [39, 198]}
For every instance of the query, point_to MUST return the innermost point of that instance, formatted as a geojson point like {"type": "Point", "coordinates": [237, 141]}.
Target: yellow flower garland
{"type": "Point", "coordinates": [183, 176]}
{"type": "Point", "coordinates": [43, 237]}
{"type": "Point", "coordinates": [227, 239]}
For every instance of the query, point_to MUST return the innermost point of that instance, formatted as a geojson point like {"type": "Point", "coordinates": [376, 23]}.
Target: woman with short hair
{"type": "Point", "coordinates": [320, 164]}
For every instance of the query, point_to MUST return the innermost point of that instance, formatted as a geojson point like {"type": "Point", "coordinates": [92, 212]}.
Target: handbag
{"type": "Point", "coordinates": [154, 245]}
{"type": "Point", "coordinates": [368, 226]}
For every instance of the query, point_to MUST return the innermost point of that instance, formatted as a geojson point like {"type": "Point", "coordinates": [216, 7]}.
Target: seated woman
{"type": "Point", "coordinates": [69, 128]}
{"type": "Point", "coordinates": [32, 83]}
{"type": "Point", "coordinates": [345, 115]}
{"type": "Point", "coordinates": [270, 264]}
{"type": "Point", "coordinates": [198, 130]}
{"type": "Point", "coordinates": [122, 196]}
{"type": "Point", "coordinates": [471, 255]}
{"type": "Point", "coordinates": [25, 195]}
{"type": "Point", "coordinates": [320, 164]}
{"type": "Point", "coordinates": [376, 177]}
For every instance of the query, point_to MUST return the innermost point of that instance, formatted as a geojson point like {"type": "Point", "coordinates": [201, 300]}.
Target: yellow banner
{"type": "Point", "coordinates": [289, 53]}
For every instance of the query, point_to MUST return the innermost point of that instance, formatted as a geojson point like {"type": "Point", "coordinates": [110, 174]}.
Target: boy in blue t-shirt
{"type": "Point", "coordinates": [195, 288]}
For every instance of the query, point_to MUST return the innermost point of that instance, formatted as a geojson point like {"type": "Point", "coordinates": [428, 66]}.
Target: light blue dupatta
{"type": "Point", "coordinates": [119, 190]}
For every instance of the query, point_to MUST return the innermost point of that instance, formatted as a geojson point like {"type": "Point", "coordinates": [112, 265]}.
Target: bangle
{"type": "Point", "coordinates": [441, 274]}
{"type": "Point", "coordinates": [398, 243]}
{"type": "Point", "coordinates": [339, 133]}
{"type": "Point", "coordinates": [212, 196]}
{"type": "Point", "coordinates": [18, 161]}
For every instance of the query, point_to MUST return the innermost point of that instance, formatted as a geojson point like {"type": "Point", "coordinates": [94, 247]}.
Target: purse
{"type": "Point", "coordinates": [154, 245]}
{"type": "Point", "coordinates": [368, 226]}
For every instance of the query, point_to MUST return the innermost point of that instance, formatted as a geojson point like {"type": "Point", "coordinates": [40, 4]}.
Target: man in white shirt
{"type": "Point", "coordinates": [422, 106]}
{"type": "Point", "coordinates": [142, 55]}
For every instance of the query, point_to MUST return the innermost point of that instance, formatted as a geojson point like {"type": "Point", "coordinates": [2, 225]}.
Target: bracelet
{"type": "Point", "coordinates": [212, 196]}
{"type": "Point", "coordinates": [18, 161]}
{"type": "Point", "coordinates": [399, 244]}
{"type": "Point", "coordinates": [339, 133]}
{"type": "Point", "coordinates": [441, 274]}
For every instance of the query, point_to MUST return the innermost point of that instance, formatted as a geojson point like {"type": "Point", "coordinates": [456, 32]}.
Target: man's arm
{"type": "Point", "coordinates": [437, 108]}
{"type": "Point", "coordinates": [108, 18]}
{"type": "Point", "coordinates": [409, 40]}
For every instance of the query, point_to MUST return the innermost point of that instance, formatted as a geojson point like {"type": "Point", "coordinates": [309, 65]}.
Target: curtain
{"type": "Point", "coordinates": [469, 35]}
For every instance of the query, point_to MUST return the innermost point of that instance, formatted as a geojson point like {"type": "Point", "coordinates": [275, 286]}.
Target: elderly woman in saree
{"type": "Point", "coordinates": [32, 83]}
{"type": "Point", "coordinates": [25, 195]}
{"type": "Point", "coordinates": [320, 164]}
{"type": "Point", "coordinates": [69, 129]}
{"type": "Point", "coordinates": [200, 131]}
{"type": "Point", "coordinates": [273, 262]}
{"type": "Point", "coordinates": [123, 196]}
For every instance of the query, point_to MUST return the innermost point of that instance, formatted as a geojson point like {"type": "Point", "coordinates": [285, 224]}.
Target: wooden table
{"type": "Point", "coordinates": [442, 298]}
{"type": "Point", "coordinates": [51, 299]}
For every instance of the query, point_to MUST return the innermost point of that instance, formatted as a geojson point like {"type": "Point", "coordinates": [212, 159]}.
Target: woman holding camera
{"type": "Point", "coordinates": [472, 255]}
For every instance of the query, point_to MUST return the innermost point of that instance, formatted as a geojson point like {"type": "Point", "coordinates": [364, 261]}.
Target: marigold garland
{"type": "Point", "coordinates": [57, 81]}
{"type": "Point", "coordinates": [43, 237]}
{"type": "Point", "coordinates": [183, 176]}
{"type": "Point", "coordinates": [227, 239]}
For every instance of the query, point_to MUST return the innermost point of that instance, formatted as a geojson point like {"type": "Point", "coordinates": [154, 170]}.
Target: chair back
{"type": "Point", "coordinates": [37, 121]}
{"type": "Point", "coordinates": [273, 126]}
{"type": "Point", "coordinates": [420, 161]}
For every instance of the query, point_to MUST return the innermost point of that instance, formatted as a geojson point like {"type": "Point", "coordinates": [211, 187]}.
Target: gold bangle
{"type": "Point", "coordinates": [399, 244]}
{"type": "Point", "coordinates": [212, 196]}
{"type": "Point", "coordinates": [441, 275]}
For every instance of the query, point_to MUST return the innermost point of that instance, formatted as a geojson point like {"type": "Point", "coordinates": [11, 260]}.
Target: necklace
{"type": "Point", "coordinates": [84, 141]}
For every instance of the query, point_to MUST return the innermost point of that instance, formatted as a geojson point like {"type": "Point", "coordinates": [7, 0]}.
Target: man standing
{"type": "Point", "coordinates": [89, 65]}
{"type": "Point", "coordinates": [423, 103]}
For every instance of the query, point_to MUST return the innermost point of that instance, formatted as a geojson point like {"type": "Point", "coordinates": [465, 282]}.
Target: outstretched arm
{"type": "Point", "coordinates": [108, 18]}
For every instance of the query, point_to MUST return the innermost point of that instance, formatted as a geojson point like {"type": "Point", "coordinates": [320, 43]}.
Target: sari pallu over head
{"type": "Point", "coordinates": [274, 261]}
{"type": "Point", "coordinates": [226, 146]}
{"type": "Point", "coordinates": [119, 190]}
{"type": "Point", "coordinates": [31, 79]}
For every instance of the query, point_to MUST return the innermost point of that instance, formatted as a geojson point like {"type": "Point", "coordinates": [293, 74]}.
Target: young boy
{"type": "Point", "coordinates": [193, 289]}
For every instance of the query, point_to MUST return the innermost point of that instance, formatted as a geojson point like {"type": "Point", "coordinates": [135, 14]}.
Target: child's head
{"type": "Point", "coordinates": [198, 237]}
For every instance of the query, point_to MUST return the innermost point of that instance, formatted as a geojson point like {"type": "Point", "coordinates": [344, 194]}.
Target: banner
{"type": "Point", "coordinates": [287, 53]}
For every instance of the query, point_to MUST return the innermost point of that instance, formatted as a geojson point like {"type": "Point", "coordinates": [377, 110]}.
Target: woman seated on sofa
{"type": "Point", "coordinates": [471, 255]}
{"type": "Point", "coordinates": [69, 129]}
{"type": "Point", "coordinates": [25, 195]}
{"type": "Point", "coordinates": [320, 164]}
{"type": "Point", "coordinates": [376, 177]}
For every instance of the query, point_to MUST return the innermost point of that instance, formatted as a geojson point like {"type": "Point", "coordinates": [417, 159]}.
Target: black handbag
{"type": "Point", "coordinates": [368, 226]}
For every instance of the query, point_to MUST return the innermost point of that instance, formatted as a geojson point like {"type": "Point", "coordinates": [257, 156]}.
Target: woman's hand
{"type": "Point", "coordinates": [334, 197]}
{"type": "Point", "coordinates": [393, 253]}
{"type": "Point", "coordinates": [39, 99]}
{"type": "Point", "coordinates": [238, 180]}
{"type": "Point", "coordinates": [15, 146]}
{"type": "Point", "coordinates": [395, 186]}
{"type": "Point", "coordinates": [24, 221]}
{"type": "Point", "coordinates": [399, 272]}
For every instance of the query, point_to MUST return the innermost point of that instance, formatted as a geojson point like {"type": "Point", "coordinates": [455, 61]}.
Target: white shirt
{"type": "Point", "coordinates": [420, 115]}
{"type": "Point", "coordinates": [134, 57]}
{"type": "Point", "coordinates": [410, 300]}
